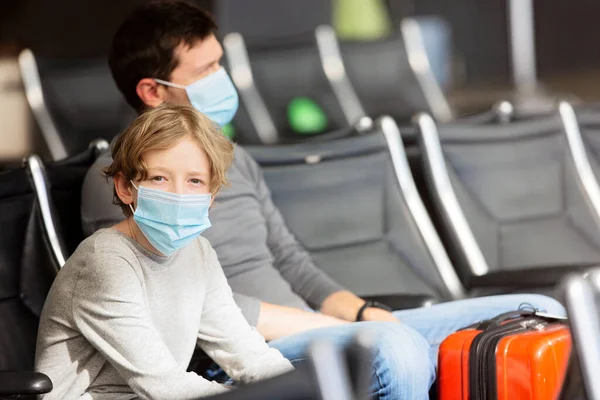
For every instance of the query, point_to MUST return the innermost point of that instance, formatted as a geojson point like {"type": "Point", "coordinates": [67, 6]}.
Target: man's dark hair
{"type": "Point", "coordinates": [144, 45]}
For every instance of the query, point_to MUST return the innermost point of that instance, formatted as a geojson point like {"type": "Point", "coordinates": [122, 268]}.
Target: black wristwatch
{"type": "Point", "coordinates": [370, 303]}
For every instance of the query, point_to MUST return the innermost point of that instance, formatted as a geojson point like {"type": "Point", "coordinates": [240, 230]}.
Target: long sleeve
{"type": "Point", "coordinates": [228, 339]}
{"type": "Point", "coordinates": [110, 312]}
{"type": "Point", "coordinates": [291, 259]}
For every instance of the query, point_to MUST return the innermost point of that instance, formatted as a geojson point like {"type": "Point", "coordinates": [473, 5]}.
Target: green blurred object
{"type": "Point", "coordinates": [361, 19]}
{"type": "Point", "coordinates": [228, 131]}
{"type": "Point", "coordinates": [306, 117]}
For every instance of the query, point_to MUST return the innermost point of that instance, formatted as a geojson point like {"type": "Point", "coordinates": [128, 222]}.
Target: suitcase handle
{"type": "Point", "coordinates": [497, 320]}
{"type": "Point", "coordinates": [507, 316]}
{"type": "Point", "coordinates": [510, 315]}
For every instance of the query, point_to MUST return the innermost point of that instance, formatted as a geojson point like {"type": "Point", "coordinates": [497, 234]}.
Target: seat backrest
{"type": "Point", "coordinates": [509, 196]}
{"type": "Point", "coordinates": [500, 113]}
{"type": "Point", "coordinates": [285, 73]}
{"type": "Point", "coordinates": [392, 76]}
{"type": "Point", "coordinates": [64, 180]}
{"type": "Point", "coordinates": [344, 202]}
{"type": "Point", "coordinates": [81, 98]}
{"type": "Point", "coordinates": [383, 79]}
{"type": "Point", "coordinates": [27, 269]}
{"type": "Point", "coordinates": [267, 22]}
{"type": "Point", "coordinates": [280, 75]}
{"type": "Point", "coordinates": [283, 57]}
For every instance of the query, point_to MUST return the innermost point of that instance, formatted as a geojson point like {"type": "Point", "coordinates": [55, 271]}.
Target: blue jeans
{"type": "Point", "coordinates": [406, 354]}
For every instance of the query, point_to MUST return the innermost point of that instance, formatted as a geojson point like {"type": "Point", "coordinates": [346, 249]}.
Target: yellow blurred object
{"type": "Point", "coordinates": [361, 19]}
{"type": "Point", "coordinates": [15, 119]}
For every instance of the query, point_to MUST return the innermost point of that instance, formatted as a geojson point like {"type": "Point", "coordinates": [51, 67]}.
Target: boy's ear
{"type": "Point", "coordinates": [123, 188]}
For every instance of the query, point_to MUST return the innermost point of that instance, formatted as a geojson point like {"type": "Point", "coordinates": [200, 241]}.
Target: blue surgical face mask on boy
{"type": "Point", "coordinates": [169, 220]}
{"type": "Point", "coordinates": [214, 96]}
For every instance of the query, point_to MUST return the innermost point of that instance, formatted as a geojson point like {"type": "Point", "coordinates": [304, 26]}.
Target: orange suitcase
{"type": "Point", "coordinates": [516, 356]}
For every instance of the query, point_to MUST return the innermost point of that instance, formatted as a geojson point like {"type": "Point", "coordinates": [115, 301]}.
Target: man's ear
{"type": "Point", "coordinates": [124, 189]}
{"type": "Point", "coordinates": [151, 93]}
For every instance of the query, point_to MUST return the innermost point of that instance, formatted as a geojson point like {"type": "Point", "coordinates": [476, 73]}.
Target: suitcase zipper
{"type": "Point", "coordinates": [478, 360]}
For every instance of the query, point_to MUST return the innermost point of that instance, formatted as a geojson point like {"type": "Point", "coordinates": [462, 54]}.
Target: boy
{"type": "Point", "coordinates": [125, 312]}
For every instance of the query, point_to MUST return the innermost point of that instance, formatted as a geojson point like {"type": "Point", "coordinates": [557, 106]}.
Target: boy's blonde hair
{"type": "Point", "coordinates": [161, 128]}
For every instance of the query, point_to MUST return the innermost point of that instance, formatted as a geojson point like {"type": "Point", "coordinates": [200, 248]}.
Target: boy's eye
{"type": "Point", "coordinates": [195, 181]}
{"type": "Point", "coordinates": [158, 179]}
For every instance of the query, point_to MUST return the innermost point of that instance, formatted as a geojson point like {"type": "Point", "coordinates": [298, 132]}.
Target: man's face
{"type": "Point", "coordinates": [195, 63]}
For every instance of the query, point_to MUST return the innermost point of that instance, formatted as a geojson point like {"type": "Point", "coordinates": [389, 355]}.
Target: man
{"type": "Point", "coordinates": [166, 51]}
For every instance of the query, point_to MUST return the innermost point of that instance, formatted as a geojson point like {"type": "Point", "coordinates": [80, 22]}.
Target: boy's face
{"type": "Point", "coordinates": [183, 169]}
{"type": "Point", "coordinates": [195, 63]}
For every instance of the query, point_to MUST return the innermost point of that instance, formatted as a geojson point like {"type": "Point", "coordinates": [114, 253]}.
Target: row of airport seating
{"type": "Point", "coordinates": [479, 208]}
{"type": "Point", "coordinates": [482, 207]}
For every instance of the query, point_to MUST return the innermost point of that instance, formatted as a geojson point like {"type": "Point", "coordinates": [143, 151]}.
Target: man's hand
{"type": "Point", "coordinates": [377, 314]}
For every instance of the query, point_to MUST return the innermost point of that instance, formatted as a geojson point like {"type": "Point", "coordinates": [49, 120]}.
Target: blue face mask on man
{"type": "Point", "coordinates": [169, 220]}
{"type": "Point", "coordinates": [214, 96]}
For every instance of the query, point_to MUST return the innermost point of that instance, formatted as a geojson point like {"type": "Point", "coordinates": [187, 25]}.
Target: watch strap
{"type": "Point", "coordinates": [361, 310]}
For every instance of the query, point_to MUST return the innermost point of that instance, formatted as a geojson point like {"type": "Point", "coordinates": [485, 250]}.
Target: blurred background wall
{"type": "Point", "coordinates": [567, 31]}
{"type": "Point", "coordinates": [567, 35]}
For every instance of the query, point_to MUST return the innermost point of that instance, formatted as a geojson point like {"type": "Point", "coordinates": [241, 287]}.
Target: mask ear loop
{"type": "Point", "coordinates": [171, 84]}
{"type": "Point", "coordinates": [136, 188]}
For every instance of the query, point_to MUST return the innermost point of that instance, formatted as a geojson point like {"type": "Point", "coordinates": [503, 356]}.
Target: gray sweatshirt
{"type": "Point", "coordinates": [122, 323]}
{"type": "Point", "coordinates": [261, 258]}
